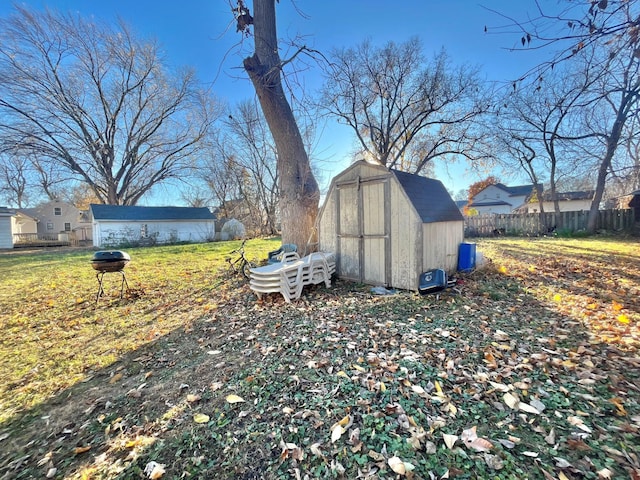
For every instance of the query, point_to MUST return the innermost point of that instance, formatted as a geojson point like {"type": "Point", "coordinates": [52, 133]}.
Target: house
{"type": "Point", "coordinates": [115, 225]}
{"type": "Point", "coordinates": [51, 221]}
{"type": "Point", "coordinates": [6, 239]}
{"type": "Point", "coordinates": [567, 202]}
{"type": "Point", "coordinates": [386, 227]}
{"type": "Point", "coordinates": [499, 198]}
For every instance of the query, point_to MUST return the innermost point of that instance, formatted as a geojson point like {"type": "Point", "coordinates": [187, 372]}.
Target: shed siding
{"type": "Point", "coordinates": [327, 235]}
{"type": "Point", "coordinates": [405, 245]}
{"type": "Point", "coordinates": [6, 238]}
{"type": "Point", "coordinates": [373, 223]}
{"type": "Point", "coordinates": [440, 245]}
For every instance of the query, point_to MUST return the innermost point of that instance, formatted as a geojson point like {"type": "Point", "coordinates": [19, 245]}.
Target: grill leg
{"type": "Point", "coordinates": [123, 284]}
{"type": "Point", "coordinates": [99, 276]}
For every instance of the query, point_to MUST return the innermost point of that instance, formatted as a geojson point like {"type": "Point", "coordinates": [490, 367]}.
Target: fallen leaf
{"type": "Point", "coordinates": [562, 463]}
{"type": "Point", "coordinates": [234, 399]}
{"type": "Point", "coordinates": [449, 440]}
{"type": "Point", "coordinates": [551, 438]}
{"type": "Point", "coordinates": [605, 473]}
{"type": "Point", "coordinates": [154, 470]}
{"type": "Point", "coordinates": [397, 465]}
{"type": "Point", "coordinates": [315, 449]}
{"type": "Point", "coordinates": [418, 389]}
{"type": "Point", "coordinates": [511, 401]}
{"type": "Point", "coordinates": [525, 407]}
{"type": "Point", "coordinates": [501, 387]}
{"type": "Point", "coordinates": [79, 450]}
{"type": "Point", "coordinates": [336, 432]}
{"type": "Point", "coordinates": [200, 418]}
{"type": "Point", "coordinates": [115, 378]}
{"type": "Point", "coordinates": [623, 319]}
{"type": "Point", "coordinates": [493, 461]}
{"type": "Point", "coordinates": [193, 398]}
{"type": "Point", "coordinates": [345, 421]}
{"type": "Point", "coordinates": [618, 403]}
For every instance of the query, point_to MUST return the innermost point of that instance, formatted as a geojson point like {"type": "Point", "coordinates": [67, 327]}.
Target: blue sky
{"type": "Point", "coordinates": [201, 34]}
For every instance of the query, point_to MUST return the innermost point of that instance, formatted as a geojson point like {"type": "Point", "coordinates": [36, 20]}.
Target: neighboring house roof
{"type": "Point", "coordinates": [516, 191]}
{"type": "Point", "coordinates": [429, 197]}
{"type": "Point", "coordinates": [461, 203]}
{"type": "Point", "coordinates": [29, 212]}
{"type": "Point", "coordinates": [568, 196]}
{"type": "Point", "coordinates": [120, 212]}
{"type": "Point", "coordinates": [494, 203]}
{"type": "Point", "coordinates": [6, 212]}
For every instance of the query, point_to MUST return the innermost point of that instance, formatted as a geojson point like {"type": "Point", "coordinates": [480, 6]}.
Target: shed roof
{"type": "Point", "coordinates": [133, 213]}
{"type": "Point", "coordinates": [429, 197]}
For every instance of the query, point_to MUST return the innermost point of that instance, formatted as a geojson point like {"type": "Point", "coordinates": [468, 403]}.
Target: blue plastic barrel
{"type": "Point", "coordinates": [466, 257]}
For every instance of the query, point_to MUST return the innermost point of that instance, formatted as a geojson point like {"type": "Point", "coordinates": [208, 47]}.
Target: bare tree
{"type": "Point", "coordinates": [94, 101]}
{"type": "Point", "coordinates": [241, 170]}
{"type": "Point", "coordinates": [299, 192]}
{"type": "Point", "coordinates": [609, 32]}
{"type": "Point", "coordinates": [257, 155]}
{"type": "Point", "coordinates": [540, 129]}
{"type": "Point", "coordinates": [405, 110]}
{"type": "Point", "coordinates": [15, 179]}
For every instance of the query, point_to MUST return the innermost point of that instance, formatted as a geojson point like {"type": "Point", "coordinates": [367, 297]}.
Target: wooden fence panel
{"type": "Point", "coordinates": [534, 224]}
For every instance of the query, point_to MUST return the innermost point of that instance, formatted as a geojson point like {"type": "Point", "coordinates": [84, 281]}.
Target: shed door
{"type": "Point", "coordinates": [363, 230]}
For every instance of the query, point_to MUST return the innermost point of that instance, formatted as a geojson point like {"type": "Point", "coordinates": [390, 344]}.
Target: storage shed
{"type": "Point", "coordinates": [386, 227]}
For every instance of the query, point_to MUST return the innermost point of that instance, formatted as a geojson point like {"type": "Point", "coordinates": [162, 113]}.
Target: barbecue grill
{"type": "Point", "coordinates": [110, 261]}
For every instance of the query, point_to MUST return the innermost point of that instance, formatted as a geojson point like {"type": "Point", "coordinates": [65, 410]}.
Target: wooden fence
{"type": "Point", "coordinates": [533, 224]}
{"type": "Point", "coordinates": [62, 239]}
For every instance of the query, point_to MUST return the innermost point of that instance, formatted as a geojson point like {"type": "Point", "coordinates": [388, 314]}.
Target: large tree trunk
{"type": "Point", "coordinates": [612, 144]}
{"type": "Point", "coordinates": [299, 192]}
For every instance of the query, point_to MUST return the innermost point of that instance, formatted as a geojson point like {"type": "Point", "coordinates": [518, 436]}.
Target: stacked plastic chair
{"type": "Point", "coordinates": [292, 273]}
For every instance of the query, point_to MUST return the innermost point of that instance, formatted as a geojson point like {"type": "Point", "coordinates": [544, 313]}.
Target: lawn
{"type": "Point", "coordinates": [529, 368]}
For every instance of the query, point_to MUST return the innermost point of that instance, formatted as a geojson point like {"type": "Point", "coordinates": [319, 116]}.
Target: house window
{"type": "Point", "coordinates": [57, 211]}
{"type": "Point", "coordinates": [67, 227]}
{"type": "Point", "coordinates": [49, 225]}
{"type": "Point", "coordinates": [144, 230]}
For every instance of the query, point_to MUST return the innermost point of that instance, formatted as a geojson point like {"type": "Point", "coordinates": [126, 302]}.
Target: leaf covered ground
{"type": "Point", "coordinates": [529, 368]}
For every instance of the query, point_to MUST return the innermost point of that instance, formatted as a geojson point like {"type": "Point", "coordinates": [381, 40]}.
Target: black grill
{"type": "Point", "coordinates": [110, 261]}
{"type": "Point", "coordinates": [106, 261]}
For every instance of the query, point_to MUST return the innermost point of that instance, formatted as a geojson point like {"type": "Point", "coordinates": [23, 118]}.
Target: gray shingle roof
{"type": "Point", "coordinates": [429, 197]}
{"type": "Point", "coordinates": [517, 190]}
{"type": "Point", "coordinates": [119, 212]}
{"type": "Point", "coordinates": [580, 195]}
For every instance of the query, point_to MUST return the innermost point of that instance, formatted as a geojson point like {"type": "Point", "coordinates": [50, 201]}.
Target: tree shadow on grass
{"type": "Point", "coordinates": [299, 368]}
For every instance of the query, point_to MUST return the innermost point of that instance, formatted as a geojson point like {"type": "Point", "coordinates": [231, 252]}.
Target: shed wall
{"type": "Point", "coordinates": [6, 238]}
{"type": "Point", "coordinates": [406, 234]}
{"type": "Point", "coordinates": [440, 245]}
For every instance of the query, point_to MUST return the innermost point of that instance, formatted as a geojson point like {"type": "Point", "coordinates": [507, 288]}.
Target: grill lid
{"type": "Point", "coordinates": [110, 256]}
